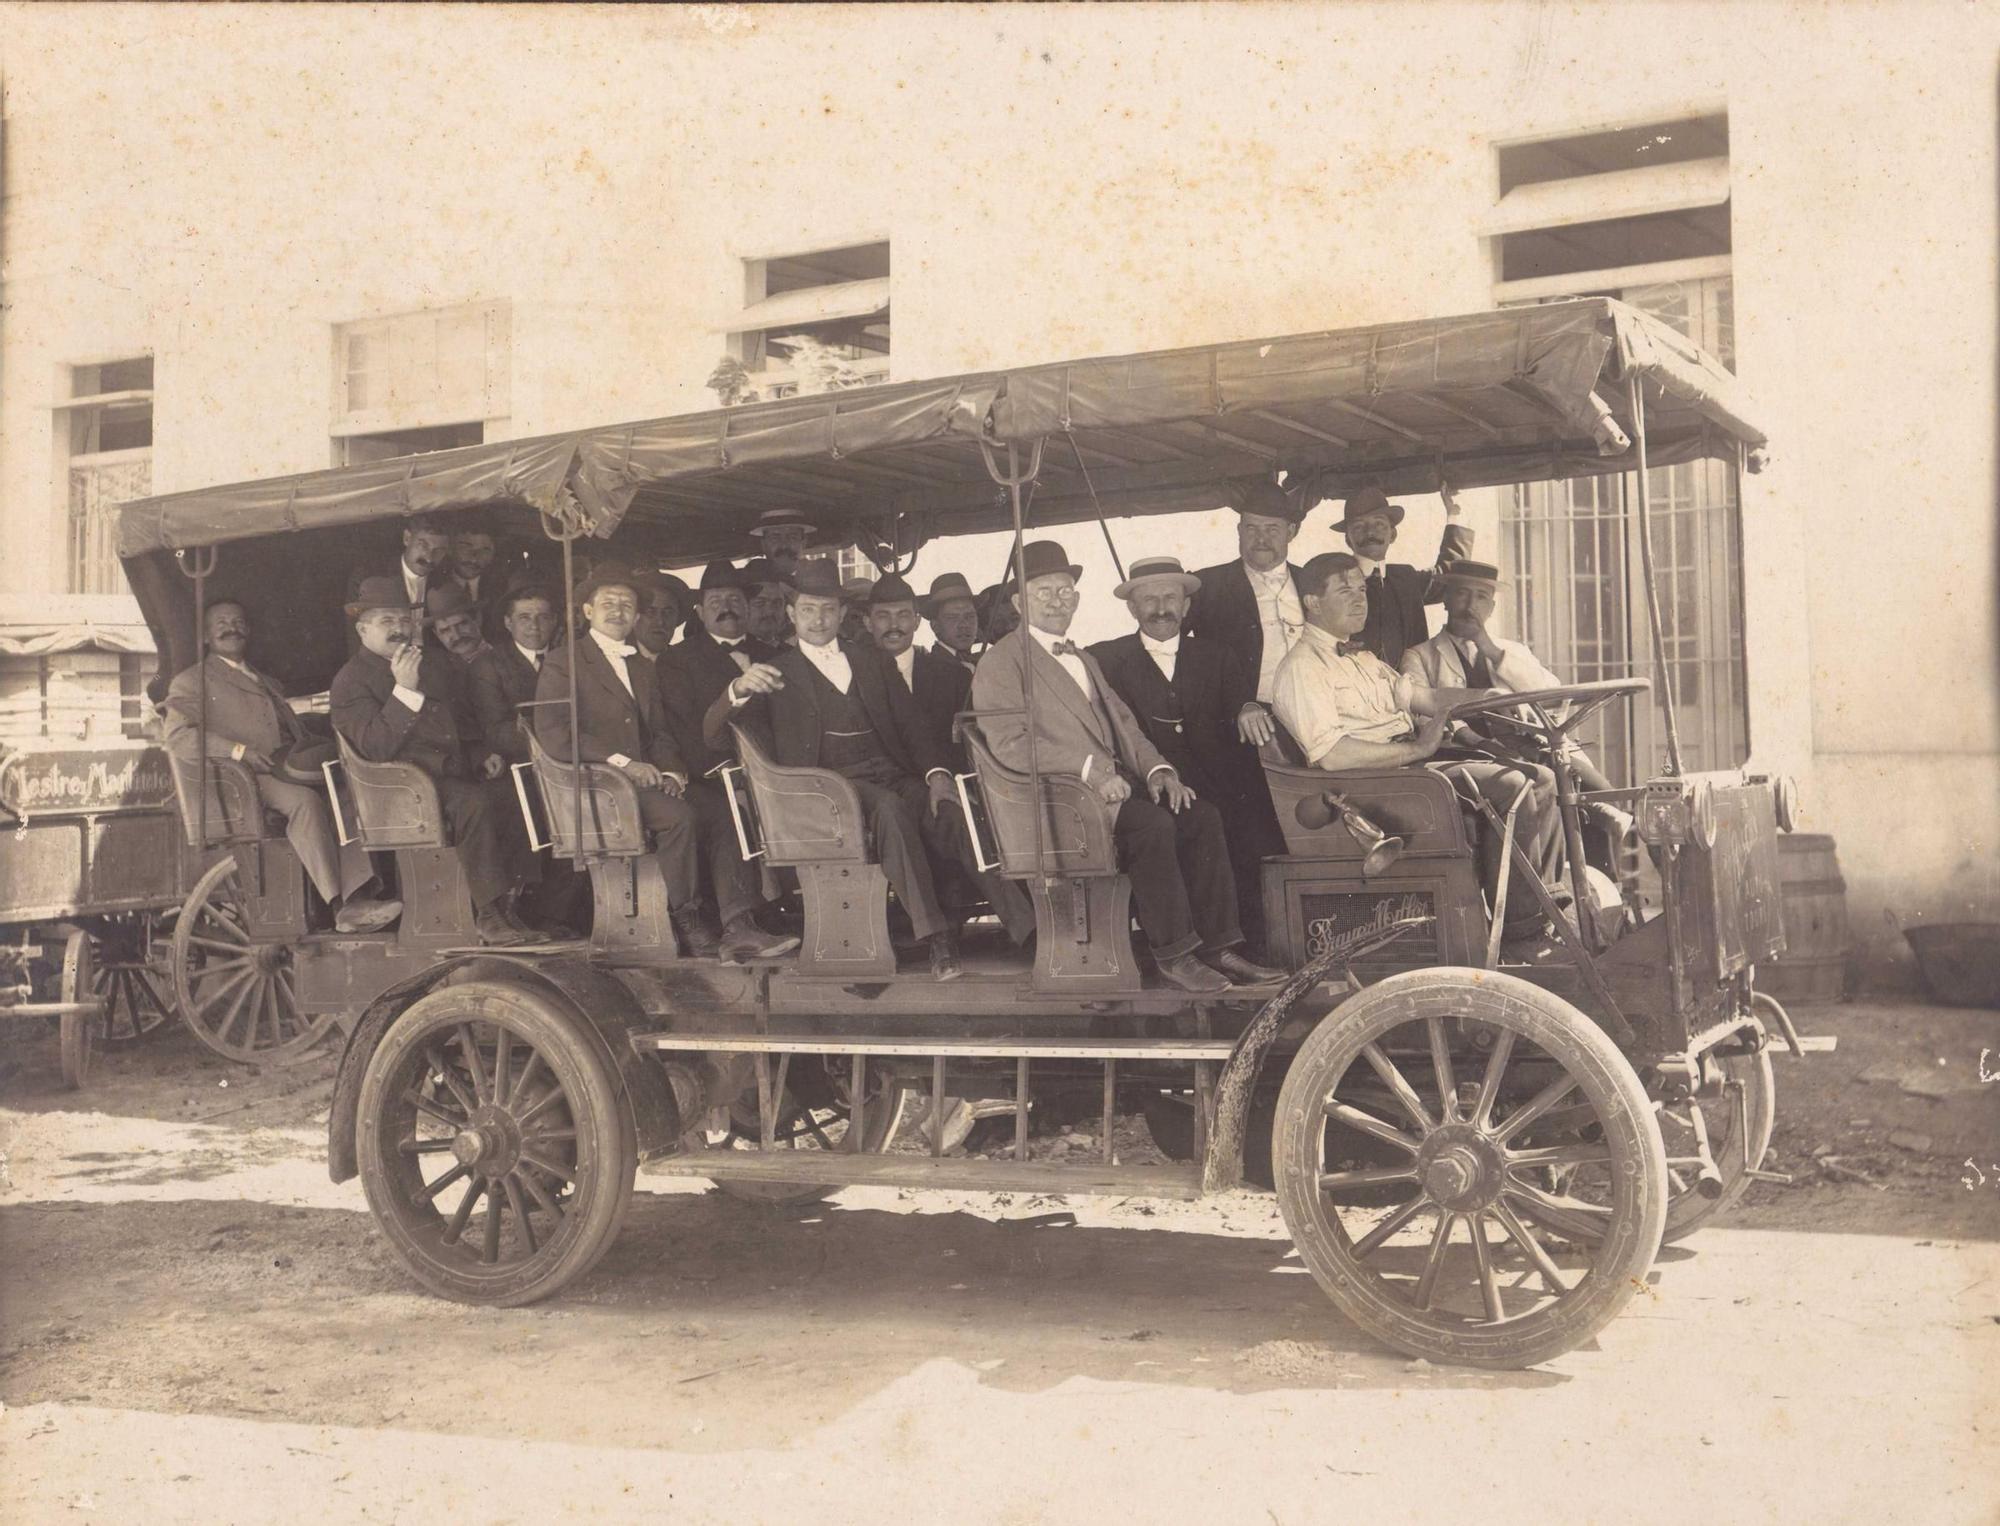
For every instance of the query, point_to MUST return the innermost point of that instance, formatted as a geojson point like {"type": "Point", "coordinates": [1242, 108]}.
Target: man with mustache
{"type": "Point", "coordinates": [838, 704]}
{"type": "Point", "coordinates": [426, 560]}
{"type": "Point", "coordinates": [1170, 844]}
{"type": "Point", "coordinates": [1348, 710]}
{"type": "Point", "coordinates": [940, 689]}
{"type": "Point", "coordinates": [248, 720]}
{"type": "Point", "coordinates": [1398, 593]}
{"type": "Point", "coordinates": [764, 592]}
{"type": "Point", "coordinates": [665, 598]}
{"type": "Point", "coordinates": [693, 672]}
{"type": "Point", "coordinates": [397, 701]}
{"type": "Point", "coordinates": [781, 536]}
{"type": "Point", "coordinates": [1181, 688]}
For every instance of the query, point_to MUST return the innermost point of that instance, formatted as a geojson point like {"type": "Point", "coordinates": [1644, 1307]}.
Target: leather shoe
{"type": "Point", "coordinates": [495, 931]}
{"type": "Point", "coordinates": [697, 942]}
{"type": "Point", "coordinates": [357, 915]}
{"type": "Point", "coordinates": [743, 940]}
{"type": "Point", "coordinates": [944, 957]}
{"type": "Point", "coordinates": [1242, 971]}
{"type": "Point", "coordinates": [1192, 976]}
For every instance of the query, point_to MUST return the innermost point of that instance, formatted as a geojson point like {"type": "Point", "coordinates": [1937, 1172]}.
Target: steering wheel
{"type": "Point", "coordinates": [1540, 725]}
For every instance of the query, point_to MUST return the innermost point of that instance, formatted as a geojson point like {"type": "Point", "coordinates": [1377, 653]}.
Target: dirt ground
{"type": "Point", "coordinates": [196, 1325]}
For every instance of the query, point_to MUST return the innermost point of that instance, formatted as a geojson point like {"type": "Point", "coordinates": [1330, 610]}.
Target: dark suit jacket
{"type": "Point", "coordinates": [499, 681]}
{"type": "Point", "coordinates": [1396, 618]}
{"type": "Point", "coordinates": [609, 720]}
{"type": "Point", "coordinates": [943, 688]}
{"type": "Point", "coordinates": [692, 673]}
{"type": "Point", "coordinates": [1191, 720]}
{"type": "Point", "coordinates": [787, 724]}
{"type": "Point", "coordinates": [1224, 613]}
{"type": "Point", "coordinates": [383, 729]}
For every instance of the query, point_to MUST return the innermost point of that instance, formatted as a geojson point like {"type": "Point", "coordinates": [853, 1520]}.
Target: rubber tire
{"type": "Point", "coordinates": [1607, 1080]}
{"type": "Point", "coordinates": [79, 1030]}
{"type": "Point", "coordinates": [605, 1133]}
{"type": "Point", "coordinates": [781, 1194]}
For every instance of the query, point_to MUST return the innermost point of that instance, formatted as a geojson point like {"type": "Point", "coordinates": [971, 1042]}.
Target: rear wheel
{"type": "Point", "coordinates": [133, 978]}
{"type": "Point", "coordinates": [238, 993]}
{"type": "Point", "coordinates": [79, 1030]}
{"type": "Point", "coordinates": [812, 1115]}
{"type": "Point", "coordinates": [493, 1147]}
{"type": "Point", "coordinates": [1413, 1211]}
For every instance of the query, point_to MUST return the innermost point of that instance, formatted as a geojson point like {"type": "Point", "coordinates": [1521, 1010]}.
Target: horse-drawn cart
{"type": "Point", "coordinates": [1477, 1157]}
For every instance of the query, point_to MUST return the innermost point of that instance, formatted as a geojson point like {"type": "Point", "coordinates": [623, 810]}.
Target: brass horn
{"type": "Point", "coordinates": [1380, 850]}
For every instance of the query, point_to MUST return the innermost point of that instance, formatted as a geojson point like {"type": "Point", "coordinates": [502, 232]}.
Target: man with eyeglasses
{"type": "Point", "coordinates": [1171, 845]}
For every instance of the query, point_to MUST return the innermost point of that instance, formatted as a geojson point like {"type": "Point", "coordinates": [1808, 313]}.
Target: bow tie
{"type": "Point", "coordinates": [1353, 648]}
{"type": "Point", "coordinates": [1065, 649]}
{"type": "Point", "coordinates": [622, 651]}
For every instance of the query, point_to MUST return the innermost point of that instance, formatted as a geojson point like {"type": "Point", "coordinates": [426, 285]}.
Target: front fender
{"type": "Point", "coordinates": [603, 1006]}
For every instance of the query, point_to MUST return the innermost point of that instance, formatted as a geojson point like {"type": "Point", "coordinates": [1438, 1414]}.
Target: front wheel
{"type": "Point", "coordinates": [1408, 1182]}
{"type": "Point", "coordinates": [494, 1149]}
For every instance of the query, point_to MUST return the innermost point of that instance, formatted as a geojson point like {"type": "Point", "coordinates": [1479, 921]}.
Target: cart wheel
{"type": "Point", "coordinates": [1434, 1078]}
{"type": "Point", "coordinates": [1748, 1076]}
{"type": "Point", "coordinates": [817, 1122]}
{"type": "Point", "coordinates": [494, 1150]}
{"type": "Point", "coordinates": [237, 993]}
{"type": "Point", "coordinates": [80, 1030]}
{"type": "Point", "coordinates": [134, 977]}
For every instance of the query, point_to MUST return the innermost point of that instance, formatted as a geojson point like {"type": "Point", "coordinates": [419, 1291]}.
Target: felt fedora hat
{"type": "Point", "coordinates": [448, 599]}
{"type": "Point", "coordinates": [944, 588]}
{"type": "Point", "coordinates": [1370, 500]}
{"type": "Point", "coordinates": [817, 578]}
{"type": "Point", "coordinates": [609, 575]}
{"type": "Point", "coordinates": [377, 593]}
{"type": "Point", "coordinates": [1039, 558]}
{"type": "Point", "coordinates": [721, 574]}
{"type": "Point", "coordinates": [1263, 497]}
{"type": "Point", "coordinates": [1156, 569]}
{"type": "Point", "coordinates": [891, 589]}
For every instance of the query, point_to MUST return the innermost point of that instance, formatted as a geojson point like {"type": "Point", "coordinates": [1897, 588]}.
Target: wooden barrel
{"type": "Point", "coordinates": [1813, 897]}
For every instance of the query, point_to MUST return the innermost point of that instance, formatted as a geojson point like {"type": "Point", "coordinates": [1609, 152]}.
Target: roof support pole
{"type": "Point", "coordinates": [1014, 479]}
{"type": "Point", "coordinates": [566, 533]}
{"type": "Point", "coordinates": [1666, 678]}
{"type": "Point", "coordinates": [198, 564]}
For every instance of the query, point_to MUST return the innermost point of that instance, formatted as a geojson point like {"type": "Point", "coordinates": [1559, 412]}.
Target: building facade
{"type": "Point", "coordinates": [244, 242]}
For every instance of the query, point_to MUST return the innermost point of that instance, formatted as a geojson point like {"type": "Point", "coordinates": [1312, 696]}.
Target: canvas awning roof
{"type": "Point", "coordinates": [1494, 397]}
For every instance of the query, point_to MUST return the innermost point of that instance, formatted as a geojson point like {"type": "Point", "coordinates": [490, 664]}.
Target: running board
{"type": "Point", "coordinates": [950, 1048]}
{"type": "Point", "coordinates": [820, 1168]}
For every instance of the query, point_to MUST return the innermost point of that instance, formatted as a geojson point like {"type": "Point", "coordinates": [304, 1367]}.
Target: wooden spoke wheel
{"type": "Point", "coordinates": [1747, 1108]}
{"type": "Point", "coordinates": [79, 1030]}
{"type": "Point", "coordinates": [494, 1150]}
{"type": "Point", "coordinates": [1413, 1212]}
{"type": "Point", "coordinates": [814, 1112]}
{"type": "Point", "coordinates": [238, 993]}
{"type": "Point", "coordinates": [133, 978]}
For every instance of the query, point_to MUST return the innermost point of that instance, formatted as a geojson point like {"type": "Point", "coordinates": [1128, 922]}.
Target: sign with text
{"type": "Point", "coordinates": [81, 781]}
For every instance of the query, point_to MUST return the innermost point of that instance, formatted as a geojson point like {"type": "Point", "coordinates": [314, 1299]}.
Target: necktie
{"type": "Point", "coordinates": [1478, 672]}
{"type": "Point", "coordinates": [535, 661]}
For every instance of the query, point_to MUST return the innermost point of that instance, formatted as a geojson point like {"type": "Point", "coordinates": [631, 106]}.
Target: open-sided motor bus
{"type": "Point", "coordinates": [1476, 1160]}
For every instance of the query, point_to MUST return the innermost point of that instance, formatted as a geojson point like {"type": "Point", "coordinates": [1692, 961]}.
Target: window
{"type": "Point", "coordinates": [851, 563]}
{"type": "Point", "coordinates": [1640, 213]}
{"type": "Point", "coordinates": [104, 436]}
{"type": "Point", "coordinates": [421, 381]}
{"type": "Point", "coordinates": [814, 322]}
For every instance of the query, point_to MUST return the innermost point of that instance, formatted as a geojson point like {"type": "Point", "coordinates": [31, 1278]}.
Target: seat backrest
{"type": "Point", "coordinates": [1415, 804]}
{"type": "Point", "coordinates": [808, 815]}
{"type": "Point", "coordinates": [1076, 823]}
{"type": "Point", "coordinates": [612, 825]}
{"type": "Point", "coordinates": [395, 804]}
{"type": "Point", "coordinates": [235, 810]}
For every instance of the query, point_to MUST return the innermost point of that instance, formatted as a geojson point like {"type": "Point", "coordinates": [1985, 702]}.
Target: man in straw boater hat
{"type": "Point", "coordinates": [398, 701]}
{"type": "Point", "coordinates": [1251, 606]}
{"type": "Point", "coordinates": [838, 704]}
{"type": "Point", "coordinates": [782, 535]}
{"type": "Point", "coordinates": [249, 720]}
{"type": "Point", "coordinates": [1171, 846]}
{"type": "Point", "coordinates": [1397, 592]}
{"type": "Point", "coordinates": [1185, 691]}
{"type": "Point", "coordinates": [621, 720]}
{"type": "Point", "coordinates": [952, 609]}
{"type": "Point", "coordinates": [940, 689]}
{"type": "Point", "coordinates": [1348, 710]}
